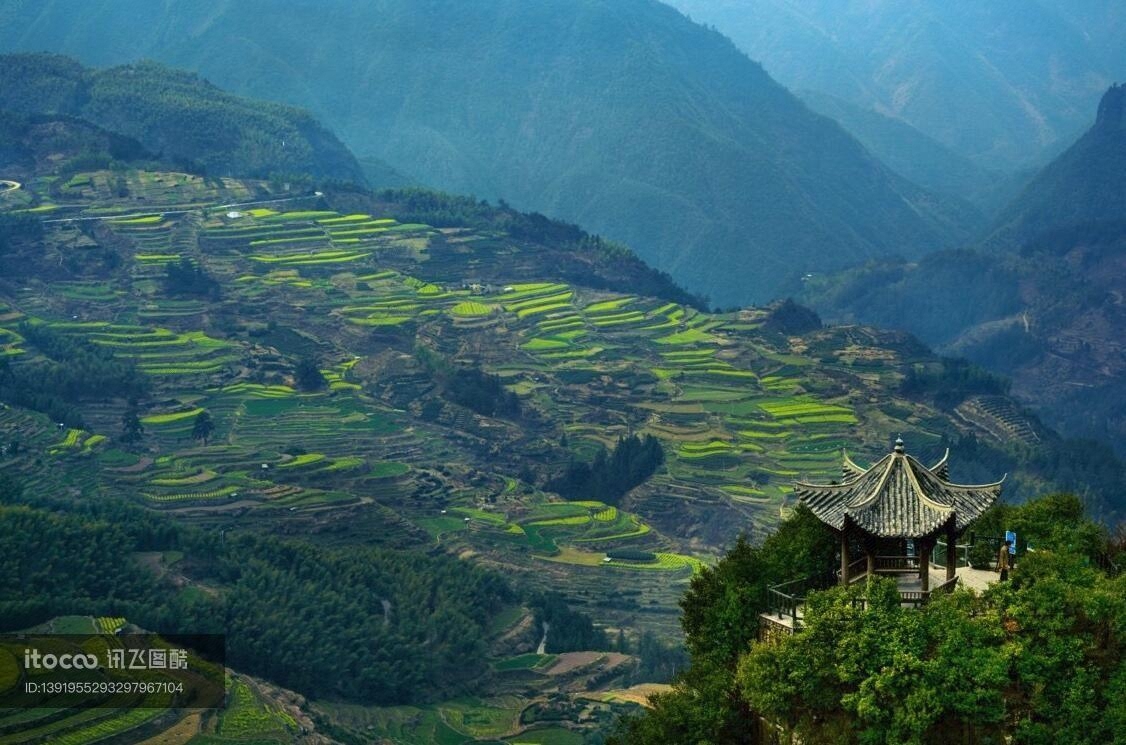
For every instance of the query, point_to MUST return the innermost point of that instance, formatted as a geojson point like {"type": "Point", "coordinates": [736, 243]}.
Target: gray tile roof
{"type": "Point", "coordinates": [897, 497]}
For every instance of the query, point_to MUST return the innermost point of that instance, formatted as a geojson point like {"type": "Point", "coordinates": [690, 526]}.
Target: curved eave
{"type": "Point", "coordinates": [824, 508]}
{"type": "Point", "coordinates": [806, 486]}
{"type": "Point", "coordinates": [942, 468]}
{"type": "Point", "coordinates": [849, 466]}
{"type": "Point", "coordinates": [994, 485]}
{"type": "Point", "coordinates": [985, 496]}
{"type": "Point", "coordinates": [836, 504]}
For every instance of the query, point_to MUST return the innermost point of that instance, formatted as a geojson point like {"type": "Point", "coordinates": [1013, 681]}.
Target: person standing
{"type": "Point", "coordinates": [1003, 560]}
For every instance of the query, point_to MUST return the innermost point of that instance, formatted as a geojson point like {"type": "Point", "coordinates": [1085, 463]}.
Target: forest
{"type": "Point", "coordinates": [612, 474]}
{"type": "Point", "coordinates": [75, 370]}
{"type": "Point", "coordinates": [367, 625]}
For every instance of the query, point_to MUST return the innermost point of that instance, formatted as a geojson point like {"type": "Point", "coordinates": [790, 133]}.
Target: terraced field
{"type": "Point", "coordinates": [663, 368]}
{"type": "Point", "coordinates": [377, 454]}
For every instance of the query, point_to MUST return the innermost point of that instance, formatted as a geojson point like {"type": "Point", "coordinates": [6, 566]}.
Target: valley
{"type": "Point", "coordinates": [443, 468]}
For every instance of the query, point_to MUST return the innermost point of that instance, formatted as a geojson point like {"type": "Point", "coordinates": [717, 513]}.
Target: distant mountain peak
{"type": "Point", "coordinates": [1112, 109]}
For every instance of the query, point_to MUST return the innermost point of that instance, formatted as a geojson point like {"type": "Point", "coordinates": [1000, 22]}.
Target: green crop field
{"type": "Point", "coordinates": [245, 716]}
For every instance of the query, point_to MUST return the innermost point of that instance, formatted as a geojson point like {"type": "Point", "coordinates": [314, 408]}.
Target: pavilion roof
{"type": "Point", "coordinates": [897, 497]}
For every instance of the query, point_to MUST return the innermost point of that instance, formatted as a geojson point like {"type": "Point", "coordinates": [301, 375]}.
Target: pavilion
{"type": "Point", "coordinates": [896, 499]}
{"type": "Point", "coordinates": [877, 510]}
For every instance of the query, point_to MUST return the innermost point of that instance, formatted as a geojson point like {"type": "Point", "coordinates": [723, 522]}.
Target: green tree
{"type": "Point", "coordinates": [131, 428]}
{"type": "Point", "coordinates": [308, 375]}
{"type": "Point", "coordinates": [187, 277]}
{"type": "Point", "coordinates": [876, 672]}
{"type": "Point", "coordinates": [720, 621]}
{"type": "Point", "coordinates": [203, 427]}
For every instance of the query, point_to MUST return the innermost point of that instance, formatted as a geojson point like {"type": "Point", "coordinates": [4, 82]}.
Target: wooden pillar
{"type": "Point", "coordinates": [871, 548]}
{"type": "Point", "coordinates": [951, 551]}
{"type": "Point", "coordinates": [924, 546]}
{"type": "Point", "coordinates": [844, 555]}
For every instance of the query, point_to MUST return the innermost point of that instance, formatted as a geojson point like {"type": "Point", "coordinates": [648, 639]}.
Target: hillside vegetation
{"type": "Point", "coordinates": [1034, 659]}
{"type": "Point", "coordinates": [472, 456]}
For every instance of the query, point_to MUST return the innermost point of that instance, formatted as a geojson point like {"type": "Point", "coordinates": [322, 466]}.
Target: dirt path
{"type": "Point", "coordinates": [569, 661]}
{"type": "Point", "coordinates": [543, 642]}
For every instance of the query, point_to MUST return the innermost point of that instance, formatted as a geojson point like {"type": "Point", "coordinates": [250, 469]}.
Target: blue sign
{"type": "Point", "coordinates": [1011, 537]}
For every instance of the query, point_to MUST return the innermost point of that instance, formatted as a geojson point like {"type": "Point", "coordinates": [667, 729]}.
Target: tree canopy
{"type": "Point", "coordinates": [364, 624]}
{"type": "Point", "coordinates": [1037, 659]}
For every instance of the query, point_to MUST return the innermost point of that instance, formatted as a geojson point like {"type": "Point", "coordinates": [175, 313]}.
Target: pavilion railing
{"type": "Point", "coordinates": [855, 569]}
{"type": "Point", "coordinates": [918, 597]}
{"type": "Point", "coordinates": [945, 588]}
{"type": "Point", "coordinates": [786, 600]}
{"type": "Point", "coordinates": [896, 564]}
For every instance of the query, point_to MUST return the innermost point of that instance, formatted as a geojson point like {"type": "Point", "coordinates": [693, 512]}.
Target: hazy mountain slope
{"type": "Point", "coordinates": [1044, 304]}
{"type": "Point", "coordinates": [909, 152]}
{"type": "Point", "coordinates": [28, 143]}
{"type": "Point", "coordinates": [620, 115]}
{"type": "Point", "coordinates": [178, 115]}
{"type": "Point", "coordinates": [998, 82]}
{"type": "Point", "coordinates": [1104, 24]}
{"type": "Point", "coordinates": [1087, 184]}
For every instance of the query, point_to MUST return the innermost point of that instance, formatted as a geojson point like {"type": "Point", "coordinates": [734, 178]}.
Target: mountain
{"type": "Point", "coordinates": [620, 115]}
{"type": "Point", "coordinates": [177, 115]}
{"type": "Point", "coordinates": [912, 154]}
{"type": "Point", "coordinates": [1085, 185]}
{"type": "Point", "coordinates": [1040, 301]}
{"type": "Point", "coordinates": [1103, 23]}
{"type": "Point", "coordinates": [997, 82]}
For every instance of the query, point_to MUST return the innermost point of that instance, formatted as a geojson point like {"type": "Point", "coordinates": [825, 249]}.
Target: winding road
{"type": "Point", "coordinates": [7, 186]}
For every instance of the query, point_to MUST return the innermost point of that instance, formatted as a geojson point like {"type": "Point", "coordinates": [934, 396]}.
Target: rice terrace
{"type": "Point", "coordinates": [321, 340]}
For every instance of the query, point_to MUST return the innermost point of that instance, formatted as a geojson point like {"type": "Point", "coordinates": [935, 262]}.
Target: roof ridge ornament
{"type": "Point", "coordinates": [899, 445]}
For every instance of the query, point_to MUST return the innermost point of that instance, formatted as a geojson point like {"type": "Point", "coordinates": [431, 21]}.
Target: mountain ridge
{"type": "Point", "coordinates": [177, 115]}
{"type": "Point", "coordinates": [1085, 184]}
